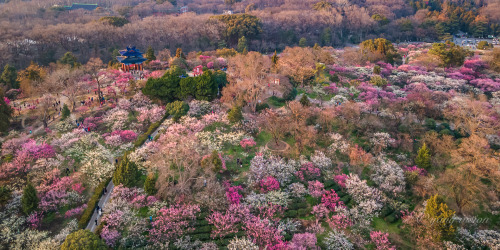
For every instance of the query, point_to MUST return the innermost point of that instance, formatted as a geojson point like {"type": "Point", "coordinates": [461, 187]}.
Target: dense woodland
{"type": "Point", "coordinates": [43, 30]}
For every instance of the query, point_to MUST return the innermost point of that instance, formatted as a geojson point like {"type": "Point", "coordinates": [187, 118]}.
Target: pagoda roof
{"type": "Point", "coordinates": [130, 60]}
{"type": "Point", "coordinates": [130, 51]}
{"type": "Point", "coordinates": [75, 6]}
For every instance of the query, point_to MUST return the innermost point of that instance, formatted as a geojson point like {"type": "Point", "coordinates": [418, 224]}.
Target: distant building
{"type": "Point", "coordinates": [183, 9]}
{"type": "Point", "coordinates": [84, 6]}
{"type": "Point", "coordinates": [227, 12]}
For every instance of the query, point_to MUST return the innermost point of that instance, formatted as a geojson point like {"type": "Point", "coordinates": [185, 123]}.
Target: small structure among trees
{"type": "Point", "coordinates": [131, 59]}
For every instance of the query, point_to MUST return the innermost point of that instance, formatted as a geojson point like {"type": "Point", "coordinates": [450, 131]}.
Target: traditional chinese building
{"type": "Point", "coordinates": [131, 59]}
{"type": "Point", "coordinates": [84, 6]}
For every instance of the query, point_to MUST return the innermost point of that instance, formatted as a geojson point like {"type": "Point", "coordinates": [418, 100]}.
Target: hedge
{"type": "Point", "coordinates": [141, 139]}
{"type": "Point", "coordinates": [91, 205]}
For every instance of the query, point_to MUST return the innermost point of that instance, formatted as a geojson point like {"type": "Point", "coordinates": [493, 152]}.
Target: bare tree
{"type": "Point", "coordinates": [273, 121]}
{"type": "Point", "coordinates": [248, 79]}
{"type": "Point", "coordinates": [93, 68]}
{"type": "Point", "coordinates": [66, 81]}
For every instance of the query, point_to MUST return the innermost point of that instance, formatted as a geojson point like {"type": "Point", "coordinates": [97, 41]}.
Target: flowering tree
{"type": "Point", "coordinates": [228, 223]}
{"type": "Point", "coordinates": [247, 143]}
{"type": "Point", "coordinates": [232, 194]}
{"type": "Point", "coordinates": [381, 240]}
{"type": "Point", "coordinates": [337, 240]}
{"type": "Point", "coordinates": [340, 179]}
{"type": "Point", "coordinates": [269, 184]}
{"type": "Point", "coordinates": [261, 167]}
{"type": "Point", "coordinates": [388, 176]}
{"type": "Point", "coordinates": [172, 222]}
{"type": "Point", "coordinates": [331, 200]}
{"type": "Point", "coordinates": [316, 189]}
{"type": "Point", "coordinates": [262, 233]}
{"type": "Point", "coordinates": [303, 241]}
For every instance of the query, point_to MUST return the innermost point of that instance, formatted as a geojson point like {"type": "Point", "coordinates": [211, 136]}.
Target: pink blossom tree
{"type": "Point", "coordinates": [316, 189]}
{"type": "Point", "coordinates": [269, 184]}
{"type": "Point", "coordinates": [228, 223]}
{"type": "Point", "coordinates": [331, 200]}
{"type": "Point", "coordinates": [172, 222]}
{"type": "Point", "coordinates": [381, 240]}
{"type": "Point", "coordinates": [262, 233]}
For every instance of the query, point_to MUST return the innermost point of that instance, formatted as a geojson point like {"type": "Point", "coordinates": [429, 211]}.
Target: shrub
{"type": "Point", "coordinates": [142, 138]}
{"type": "Point", "coordinates": [378, 81]}
{"type": "Point", "coordinates": [29, 199]}
{"type": "Point", "coordinates": [177, 109]}
{"type": "Point", "coordinates": [261, 107]}
{"type": "Point", "coordinates": [423, 159]}
{"type": "Point", "coordinates": [290, 95]}
{"type": "Point", "coordinates": [5, 194]}
{"type": "Point", "coordinates": [235, 115]}
{"type": "Point", "coordinates": [304, 100]}
{"type": "Point", "coordinates": [149, 184]}
{"type": "Point", "coordinates": [482, 45]}
{"type": "Point", "coordinates": [83, 239]}
{"type": "Point", "coordinates": [126, 173]}
{"type": "Point", "coordinates": [65, 112]}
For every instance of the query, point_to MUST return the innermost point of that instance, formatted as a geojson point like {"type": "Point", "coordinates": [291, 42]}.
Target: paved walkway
{"type": "Point", "coordinates": [102, 202]}
{"type": "Point", "coordinates": [105, 198]}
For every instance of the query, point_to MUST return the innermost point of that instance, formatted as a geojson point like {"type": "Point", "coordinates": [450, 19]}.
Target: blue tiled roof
{"type": "Point", "coordinates": [75, 6]}
{"type": "Point", "coordinates": [131, 55]}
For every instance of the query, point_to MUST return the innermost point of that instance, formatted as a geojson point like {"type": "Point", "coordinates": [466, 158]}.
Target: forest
{"type": "Point", "coordinates": [43, 30]}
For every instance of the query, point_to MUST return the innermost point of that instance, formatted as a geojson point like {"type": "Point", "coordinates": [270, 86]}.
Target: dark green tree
{"type": "Point", "coordinates": [206, 88]}
{"type": "Point", "coordinates": [378, 81]}
{"type": "Point", "coordinates": [239, 25]}
{"type": "Point", "coordinates": [483, 45]}
{"type": "Point", "coordinates": [220, 78]}
{"type": "Point", "coordinates": [5, 195]}
{"type": "Point", "coordinates": [303, 42]}
{"type": "Point", "coordinates": [381, 19]}
{"type": "Point", "coordinates": [150, 184]}
{"type": "Point", "coordinates": [29, 200]}
{"type": "Point", "coordinates": [150, 54]}
{"type": "Point", "coordinates": [242, 44]}
{"type": "Point", "coordinates": [126, 173]}
{"type": "Point", "coordinates": [234, 115]}
{"type": "Point", "coordinates": [326, 37]}
{"type": "Point", "coordinates": [69, 59]}
{"type": "Point", "coordinates": [65, 112]}
{"type": "Point", "coordinates": [275, 58]}
{"type": "Point", "coordinates": [9, 77]}
{"type": "Point", "coordinates": [381, 46]}
{"type": "Point", "coordinates": [114, 20]}
{"type": "Point", "coordinates": [304, 100]}
{"type": "Point", "coordinates": [451, 54]}
{"type": "Point", "coordinates": [423, 159]}
{"type": "Point", "coordinates": [5, 113]}
{"type": "Point", "coordinates": [188, 87]}
{"type": "Point", "coordinates": [83, 240]}
{"type": "Point", "coordinates": [177, 109]}
{"type": "Point", "coordinates": [165, 88]}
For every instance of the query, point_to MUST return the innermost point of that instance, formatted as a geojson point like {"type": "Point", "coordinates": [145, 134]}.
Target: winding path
{"type": "Point", "coordinates": [105, 198]}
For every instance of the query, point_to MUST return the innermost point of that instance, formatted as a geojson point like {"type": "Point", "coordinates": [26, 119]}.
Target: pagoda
{"type": "Point", "coordinates": [131, 59]}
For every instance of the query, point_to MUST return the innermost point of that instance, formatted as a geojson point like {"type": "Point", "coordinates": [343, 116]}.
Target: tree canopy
{"type": "Point", "coordinates": [83, 240]}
